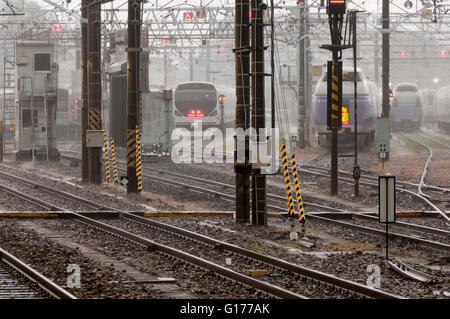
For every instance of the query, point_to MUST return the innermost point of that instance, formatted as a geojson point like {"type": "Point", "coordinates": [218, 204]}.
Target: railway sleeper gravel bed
{"type": "Point", "coordinates": [154, 181]}
{"type": "Point", "coordinates": [336, 251]}
{"type": "Point", "coordinates": [94, 194]}
{"type": "Point", "coordinates": [275, 275]}
{"type": "Point", "coordinates": [200, 282]}
{"type": "Point", "coordinates": [45, 195]}
{"type": "Point", "coordinates": [402, 231]}
{"type": "Point", "coordinates": [51, 259]}
{"type": "Point", "coordinates": [10, 202]}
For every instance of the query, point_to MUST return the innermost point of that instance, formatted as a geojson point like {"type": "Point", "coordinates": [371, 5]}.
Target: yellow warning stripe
{"type": "Point", "coordinates": [290, 201]}
{"type": "Point", "coordinates": [105, 139]}
{"type": "Point", "coordinates": [95, 119]}
{"type": "Point", "coordinates": [138, 160]}
{"type": "Point", "coordinates": [301, 210]}
{"type": "Point", "coordinates": [131, 148]}
{"type": "Point", "coordinates": [113, 154]}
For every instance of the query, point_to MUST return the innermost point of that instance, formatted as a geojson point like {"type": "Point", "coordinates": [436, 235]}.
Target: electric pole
{"type": "Point", "coordinates": [94, 88]}
{"type": "Point", "coordinates": [336, 10]}
{"type": "Point", "coordinates": [242, 64]}
{"type": "Point", "coordinates": [385, 59]}
{"type": "Point", "coordinates": [133, 90]}
{"type": "Point", "coordinates": [301, 66]}
{"type": "Point", "coordinates": [386, 107]}
{"type": "Point", "coordinates": [259, 200]}
{"type": "Point", "coordinates": [84, 94]}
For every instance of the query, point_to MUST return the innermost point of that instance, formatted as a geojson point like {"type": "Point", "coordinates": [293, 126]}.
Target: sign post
{"type": "Point", "coordinates": [386, 204]}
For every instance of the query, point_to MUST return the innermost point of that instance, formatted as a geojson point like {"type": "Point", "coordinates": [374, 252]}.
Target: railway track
{"type": "Point", "coordinates": [48, 191]}
{"type": "Point", "coordinates": [420, 193]}
{"type": "Point", "coordinates": [214, 188]}
{"type": "Point", "coordinates": [319, 278]}
{"type": "Point", "coordinates": [365, 229]}
{"type": "Point", "coordinates": [10, 288]}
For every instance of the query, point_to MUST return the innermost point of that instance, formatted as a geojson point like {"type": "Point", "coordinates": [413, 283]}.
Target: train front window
{"type": "Point", "coordinates": [188, 99]}
{"type": "Point", "coordinates": [406, 88]}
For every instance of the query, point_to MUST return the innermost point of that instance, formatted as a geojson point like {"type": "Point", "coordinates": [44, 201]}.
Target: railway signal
{"type": "Point", "coordinates": [222, 98]}
{"type": "Point", "coordinates": [336, 6]}
{"type": "Point", "coordinates": [336, 10]}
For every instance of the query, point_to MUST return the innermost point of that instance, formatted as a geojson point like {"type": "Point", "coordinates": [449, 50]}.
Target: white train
{"type": "Point", "coordinates": [442, 109]}
{"type": "Point", "coordinates": [201, 101]}
{"type": "Point", "coordinates": [407, 107]}
{"type": "Point", "coordinates": [368, 109]}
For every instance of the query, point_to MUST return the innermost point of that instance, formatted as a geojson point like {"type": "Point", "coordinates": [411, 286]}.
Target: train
{"type": "Point", "coordinates": [442, 109]}
{"type": "Point", "coordinates": [368, 110]}
{"type": "Point", "coordinates": [407, 107]}
{"type": "Point", "coordinates": [196, 102]}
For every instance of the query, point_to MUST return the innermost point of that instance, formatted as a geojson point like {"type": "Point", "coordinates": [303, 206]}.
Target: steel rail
{"type": "Point", "coordinates": [424, 173]}
{"type": "Point", "coordinates": [205, 264]}
{"type": "Point", "coordinates": [355, 227]}
{"type": "Point", "coordinates": [61, 193]}
{"type": "Point", "coordinates": [427, 163]}
{"type": "Point", "coordinates": [275, 262]}
{"type": "Point", "coordinates": [204, 190]}
{"type": "Point", "coordinates": [409, 226]}
{"type": "Point", "coordinates": [434, 140]}
{"type": "Point", "coordinates": [27, 198]}
{"type": "Point", "coordinates": [230, 274]}
{"type": "Point", "coordinates": [375, 178]}
{"type": "Point", "coordinates": [381, 233]}
{"type": "Point", "coordinates": [372, 185]}
{"type": "Point", "coordinates": [46, 284]}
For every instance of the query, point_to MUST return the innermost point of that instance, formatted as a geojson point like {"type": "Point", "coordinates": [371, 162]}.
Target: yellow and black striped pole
{"type": "Point", "coordinates": [138, 160]}
{"type": "Point", "coordinates": [113, 155]}
{"type": "Point", "coordinates": [301, 210]}
{"type": "Point", "coordinates": [108, 173]}
{"type": "Point", "coordinates": [335, 101]}
{"type": "Point", "coordinates": [286, 180]}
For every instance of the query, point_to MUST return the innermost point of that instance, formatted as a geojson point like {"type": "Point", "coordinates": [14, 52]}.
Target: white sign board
{"type": "Point", "coordinates": [386, 199]}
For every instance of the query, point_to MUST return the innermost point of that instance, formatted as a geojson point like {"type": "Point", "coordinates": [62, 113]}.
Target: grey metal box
{"type": "Point", "coordinates": [382, 135]}
{"type": "Point", "coordinates": [94, 138]}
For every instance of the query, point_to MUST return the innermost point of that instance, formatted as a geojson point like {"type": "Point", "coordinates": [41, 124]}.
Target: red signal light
{"type": "Point", "coordinates": [402, 53]}
{"type": "Point", "coordinates": [57, 27]}
{"type": "Point", "coordinates": [65, 115]}
{"type": "Point", "coordinates": [443, 53]}
{"type": "Point", "coordinates": [188, 15]}
{"type": "Point", "coordinates": [336, 6]}
{"type": "Point", "coordinates": [163, 42]}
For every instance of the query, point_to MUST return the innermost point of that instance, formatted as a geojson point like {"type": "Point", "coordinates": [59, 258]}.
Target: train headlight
{"type": "Point", "coordinates": [222, 98]}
